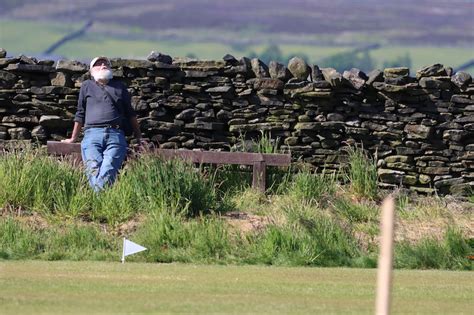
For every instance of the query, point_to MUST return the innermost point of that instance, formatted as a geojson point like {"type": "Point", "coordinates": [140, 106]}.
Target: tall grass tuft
{"type": "Point", "coordinates": [264, 144]}
{"type": "Point", "coordinates": [80, 242]}
{"type": "Point", "coordinates": [173, 184]}
{"type": "Point", "coordinates": [305, 238]}
{"type": "Point", "coordinates": [361, 173]}
{"type": "Point", "coordinates": [451, 253]}
{"type": "Point", "coordinates": [362, 212]}
{"type": "Point", "coordinates": [29, 179]}
{"type": "Point", "coordinates": [171, 237]}
{"type": "Point", "coordinates": [312, 187]}
{"type": "Point", "coordinates": [18, 241]}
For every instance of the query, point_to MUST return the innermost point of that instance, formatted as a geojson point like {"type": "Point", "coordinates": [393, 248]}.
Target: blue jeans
{"type": "Point", "coordinates": [103, 151]}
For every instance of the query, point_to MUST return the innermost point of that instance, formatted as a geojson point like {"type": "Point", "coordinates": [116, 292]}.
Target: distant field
{"type": "Point", "coordinates": [18, 37]}
{"type": "Point", "coordinates": [33, 287]}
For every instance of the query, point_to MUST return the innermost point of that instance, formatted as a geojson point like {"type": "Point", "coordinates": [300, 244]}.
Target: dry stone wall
{"type": "Point", "coordinates": [420, 128]}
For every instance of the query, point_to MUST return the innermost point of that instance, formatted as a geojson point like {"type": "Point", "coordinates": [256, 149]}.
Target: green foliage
{"type": "Point", "coordinates": [178, 203]}
{"type": "Point", "coordinates": [356, 212]}
{"type": "Point", "coordinates": [262, 144]}
{"type": "Point", "coordinates": [312, 187]}
{"type": "Point", "coordinates": [29, 179]}
{"type": "Point", "coordinates": [174, 185]}
{"type": "Point", "coordinates": [451, 253]}
{"type": "Point", "coordinates": [307, 238]}
{"type": "Point", "coordinates": [170, 237]}
{"type": "Point", "coordinates": [361, 173]}
{"type": "Point", "coordinates": [17, 241]}
{"type": "Point", "coordinates": [79, 242]}
{"type": "Point", "coordinates": [74, 242]}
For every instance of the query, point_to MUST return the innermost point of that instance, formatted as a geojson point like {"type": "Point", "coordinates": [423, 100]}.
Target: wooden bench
{"type": "Point", "coordinates": [259, 161]}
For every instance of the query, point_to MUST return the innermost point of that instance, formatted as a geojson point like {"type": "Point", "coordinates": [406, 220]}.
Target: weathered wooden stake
{"type": "Point", "coordinates": [384, 270]}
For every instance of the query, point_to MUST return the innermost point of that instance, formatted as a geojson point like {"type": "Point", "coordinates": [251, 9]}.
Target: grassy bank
{"type": "Point", "coordinates": [110, 288]}
{"type": "Point", "coordinates": [204, 215]}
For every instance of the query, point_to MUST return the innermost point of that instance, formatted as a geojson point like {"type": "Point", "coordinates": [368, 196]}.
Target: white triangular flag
{"type": "Point", "coordinates": [130, 248]}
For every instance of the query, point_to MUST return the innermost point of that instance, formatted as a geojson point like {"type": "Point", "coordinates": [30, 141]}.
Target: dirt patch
{"type": "Point", "coordinates": [245, 222]}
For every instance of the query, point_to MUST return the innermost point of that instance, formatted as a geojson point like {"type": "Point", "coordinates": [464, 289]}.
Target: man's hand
{"type": "Point", "coordinates": [70, 140]}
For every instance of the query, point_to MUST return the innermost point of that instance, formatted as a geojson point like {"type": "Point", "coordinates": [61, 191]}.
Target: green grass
{"type": "Point", "coordinates": [179, 212]}
{"type": "Point", "coordinates": [33, 287]}
{"type": "Point", "coordinates": [361, 173]}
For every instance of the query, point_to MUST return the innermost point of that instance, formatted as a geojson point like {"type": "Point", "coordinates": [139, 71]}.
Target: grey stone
{"type": "Point", "coordinates": [455, 135]}
{"type": "Point", "coordinates": [331, 125]}
{"type": "Point", "coordinates": [298, 68]}
{"type": "Point", "coordinates": [188, 114]}
{"type": "Point", "coordinates": [3, 53]}
{"type": "Point", "coordinates": [335, 117]}
{"type": "Point", "coordinates": [20, 119]}
{"type": "Point", "coordinates": [223, 115]}
{"type": "Point", "coordinates": [431, 71]}
{"type": "Point", "coordinates": [266, 83]}
{"type": "Point", "coordinates": [229, 59]}
{"type": "Point", "coordinates": [461, 79]}
{"type": "Point", "coordinates": [39, 133]}
{"type": "Point", "coordinates": [131, 63]}
{"type": "Point", "coordinates": [29, 68]}
{"type": "Point", "coordinates": [19, 133]}
{"type": "Point", "coordinates": [374, 76]}
{"type": "Point", "coordinates": [316, 74]}
{"type": "Point", "coordinates": [220, 89]}
{"type": "Point", "coordinates": [7, 79]}
{"type": "Point", "coordinates": [200, 65]}
{"type": "Point", "coordinates": [259, 69]}
{"type": "Point", "coordinates": [159, 57]}
{"type": "Point", "coordinates": [418, 131]}
{"type": "Point", "coordinates": [48, 90]}
{"type": "Point", "coordinates": [278, 71]}
{"type": "Point", "coordinates": [396, 72]}
{"type": "Point", "coordinates": [390, 176]}
{"type": "Point", "coordinates": [53, 121]}
{"type": "Point", "coordinates": [355, 77]}
{"type": "Point", "coordinates": [398, 158]}
{"type": "Point", "coordinates": [332, 76]}
{"type": "Point", "coordinates": [432, 83]}
{"type": "Point", "coordinates": [61, 79]}
{"type": "Point", "coordinates": [71, 65]}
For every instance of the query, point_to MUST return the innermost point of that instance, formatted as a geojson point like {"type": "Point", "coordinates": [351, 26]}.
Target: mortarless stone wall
{"type": "Point", "coordinates": [420, 128]}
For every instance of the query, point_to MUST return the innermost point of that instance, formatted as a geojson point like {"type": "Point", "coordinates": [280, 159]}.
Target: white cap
{"type": "Point", "coordinates": [100, 58]}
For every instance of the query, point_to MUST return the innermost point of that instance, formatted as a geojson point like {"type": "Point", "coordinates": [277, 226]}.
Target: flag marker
{"type": "Point", "coordinates": [130, 248]}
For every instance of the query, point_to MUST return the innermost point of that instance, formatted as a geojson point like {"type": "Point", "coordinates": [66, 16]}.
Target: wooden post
{"type": "Point", "coordinates": [384, 270]}
{"type": "Point", "coordinates": [259, 174]}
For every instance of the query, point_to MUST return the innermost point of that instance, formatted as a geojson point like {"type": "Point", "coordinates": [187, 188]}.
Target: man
{"type": "Point", "coordinates": [103, 106]}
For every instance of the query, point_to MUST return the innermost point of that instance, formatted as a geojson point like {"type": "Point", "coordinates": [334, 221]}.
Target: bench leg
{"type": "Point", "coordinates": [259, 174]}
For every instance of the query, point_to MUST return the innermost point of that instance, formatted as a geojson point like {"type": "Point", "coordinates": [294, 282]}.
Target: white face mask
{"type": "Point", "coordinates": [102, 74]}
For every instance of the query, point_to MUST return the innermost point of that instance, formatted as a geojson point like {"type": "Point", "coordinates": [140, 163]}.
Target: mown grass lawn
{"type": "Point", "coordinates": [39, 287]}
